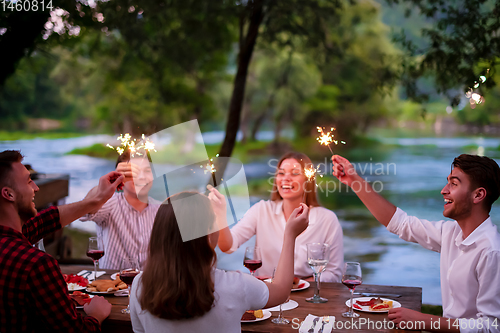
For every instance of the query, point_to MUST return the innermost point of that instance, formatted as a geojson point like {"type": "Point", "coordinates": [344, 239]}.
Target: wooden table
{"type": "Point", "coordinates": [117, 321]}
{"type": "Point", "coordinates": [336, 293]}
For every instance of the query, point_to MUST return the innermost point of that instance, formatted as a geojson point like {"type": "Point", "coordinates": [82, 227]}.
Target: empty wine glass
{"type": "Point", "coordinates": [317, 257]}
{"type": "Point", "coordinates": [95, 251]}
{"type": "Point", "coordinates": [129, 269]}
{"type": "Point", "coordinates": [253, 259]}
{"type": "Point", "coordinates": [351, 278]}
{"type": "Point", "coordinates": [280, 320]}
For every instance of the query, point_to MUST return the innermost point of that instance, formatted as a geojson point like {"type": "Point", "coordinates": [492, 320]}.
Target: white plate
{"type": "Point", "coordinates": [113, 276]}
{"type": "Point", "coordinates": [395, 304]}
{"type": "Point", "coordinates": [121, 292]}
{"type": "Point", "coordinates": [291, 304]}
{"type": "Point", "coordinates": [81, 306]}
{"type": "Point", "coordinates": [76, 288]}
{"type": "Point", "coordinates": [266, 314]}
{"type": "Point", "coordinates": [305, 286]}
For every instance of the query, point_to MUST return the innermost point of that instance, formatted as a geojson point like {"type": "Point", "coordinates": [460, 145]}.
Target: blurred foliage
{"type": "Point", "coordinates": [461, 44]}
{"type": "Point", "coordinates": [358, 87]}
{"type": "Point", "coordinates": [138, 67]}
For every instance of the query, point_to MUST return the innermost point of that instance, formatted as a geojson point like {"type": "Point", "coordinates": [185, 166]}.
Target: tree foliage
{"type": "Point", "coordinates": [462, 44]}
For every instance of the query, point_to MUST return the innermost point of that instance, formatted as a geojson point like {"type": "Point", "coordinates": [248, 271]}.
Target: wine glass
{"type": "Point", "coordinates": [95, 251]}
{"type": "Point", "coordinates": [317, 257]}
{"type": "Point", "coordinates": [351, 279]}
{"type": "Point", "coordinates": [280, 320]}
{"type": "Point", "coordinates": [129, 268]}
{"type": "Point", "coordinates": [253, 259]}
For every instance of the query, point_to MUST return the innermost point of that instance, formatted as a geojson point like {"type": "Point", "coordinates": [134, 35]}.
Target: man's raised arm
{"type": "Point", "coordinates": [382, 209]}
{"type": "Point", "coordinates": [94, 199]}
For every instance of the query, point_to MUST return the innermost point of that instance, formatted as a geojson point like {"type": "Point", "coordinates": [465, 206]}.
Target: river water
{"type": "Point", "coordinates": [411, 176]}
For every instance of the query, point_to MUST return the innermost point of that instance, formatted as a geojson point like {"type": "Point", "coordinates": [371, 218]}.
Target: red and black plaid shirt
{"type": "Point", "coordinates": [33, 294]}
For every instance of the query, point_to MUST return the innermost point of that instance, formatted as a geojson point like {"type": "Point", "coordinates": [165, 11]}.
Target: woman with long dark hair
{"type": "Point", "coordinates": [180, 289]}
{"type": "Point", "coordinates": [268, 219]}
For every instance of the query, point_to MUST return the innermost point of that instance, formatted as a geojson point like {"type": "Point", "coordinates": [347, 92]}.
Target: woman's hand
{"type": "Point", "coordinates": [219, 205]}
{"type": "Point", "coordinates": [298, 221]}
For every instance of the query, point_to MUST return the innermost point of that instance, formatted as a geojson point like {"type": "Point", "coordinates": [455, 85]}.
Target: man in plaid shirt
{"type": "Point", "coordinates": [33, 294]}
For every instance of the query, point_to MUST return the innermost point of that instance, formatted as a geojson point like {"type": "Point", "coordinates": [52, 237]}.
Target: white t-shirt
{"type": "Point", "coordinates": [266, 220]}
{"type": "Point", "coordinates": [470, 268]}
{"type": "Point", "coordinates": [235, 293]}
{"type": "Point", "coordinates": [125, 230]}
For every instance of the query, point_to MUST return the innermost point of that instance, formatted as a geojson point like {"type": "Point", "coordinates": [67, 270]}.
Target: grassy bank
{"type": "Point", "coordinates": [20, 135]}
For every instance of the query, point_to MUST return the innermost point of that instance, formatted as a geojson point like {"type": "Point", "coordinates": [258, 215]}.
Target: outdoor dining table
{"type": "Point", "coordinates": [336, 293]}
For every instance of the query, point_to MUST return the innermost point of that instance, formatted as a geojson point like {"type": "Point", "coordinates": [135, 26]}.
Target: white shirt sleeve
{"type": "Point", "coordinates": [246, 227]}
{"type": "Point", "coordinates": [135, 307]}
{"type": "Point", "coordinates": [102, 215]}
{"type": "Point", "coordinates": [488, 297]}
{"type": "Point", "coordinates": [334, 238]}
{"type": "Point", "coordinates": [412, 229]}
{"type": "Point", "coordinates": [256, 292]}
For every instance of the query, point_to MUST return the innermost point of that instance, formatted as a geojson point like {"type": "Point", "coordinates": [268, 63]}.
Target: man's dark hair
{"type": "Point", "coordinates": [124, 157]}
{"type": "Point", "coordinates": [483, 172]}
{"type": "Point", "coordinates": [8, 157]}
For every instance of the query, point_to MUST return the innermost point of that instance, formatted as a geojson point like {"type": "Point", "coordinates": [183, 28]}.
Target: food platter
{"type": "Point", "coordinates": [266, 313]}
{"type": "Point", "coordinates": [395, 304]}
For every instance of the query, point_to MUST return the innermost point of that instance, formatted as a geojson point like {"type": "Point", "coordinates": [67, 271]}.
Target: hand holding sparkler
{"type": "Point", "coordinates": [344, 170]}
{"type": "Point", "coordinates": [219, 206]}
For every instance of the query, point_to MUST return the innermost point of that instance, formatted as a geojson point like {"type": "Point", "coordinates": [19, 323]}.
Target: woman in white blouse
{"type": "Point", "coordinates": [267, 220]}
{"type": "Point", "coordinates": [180, 289]}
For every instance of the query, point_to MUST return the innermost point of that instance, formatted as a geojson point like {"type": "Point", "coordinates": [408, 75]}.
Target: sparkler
{"type": "Point", "coordinates": [327, 138]}
{"type": "Point", "coordinates": [310, 173]}
{"type": "Point", "coordinates": [210, 167]}
{"type": "Point", "coordinates": [131, 144]}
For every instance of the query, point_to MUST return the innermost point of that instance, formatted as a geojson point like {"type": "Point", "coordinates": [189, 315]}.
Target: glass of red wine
{"type": "Point", "coordinates": [351, 279]}
{"type": "Point", "coordinates": [129, 269]}
{"type": "Point", "coordinates": [95, 251]}
{"type": "Point", "coordinates": [253, 259]}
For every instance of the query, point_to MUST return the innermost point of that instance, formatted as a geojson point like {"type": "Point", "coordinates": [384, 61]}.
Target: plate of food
{"type": "Point", "coordinates": [298, 284]}
{"type": "Point", "coordinates": [372, 304]}
{"type": "Point", "coordinates": [106, 286]}
{"type": "Point", "coordinates": [252, 316]}
{"type": "Point", "coordinates": [75, 282]}
{"type": "Point", "coordinates": [80, 299]}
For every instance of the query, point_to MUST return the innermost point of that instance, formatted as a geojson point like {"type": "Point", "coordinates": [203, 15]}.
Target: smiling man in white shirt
{"type": "Point", "coordinates": [469, 246]}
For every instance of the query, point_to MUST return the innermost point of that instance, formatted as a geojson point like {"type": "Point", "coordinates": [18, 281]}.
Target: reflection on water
{"type": "Point", "coordinates": [421, 168]}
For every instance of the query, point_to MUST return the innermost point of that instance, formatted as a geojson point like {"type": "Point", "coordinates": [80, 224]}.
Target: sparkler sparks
{"type": "Point", "coordinates": [310, 173]}
{"type": "Point", "coordinates": [327, 138]}
{"type": "Point", "coordinates": [131, 144]}
{"type": "Point", "coordinates": [210, 168]}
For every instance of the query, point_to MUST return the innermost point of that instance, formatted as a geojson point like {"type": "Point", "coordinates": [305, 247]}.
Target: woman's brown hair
{"type": "Point", "coordinates": [309, 187]}
{"type": "Point", "coordinates": [177, 280]}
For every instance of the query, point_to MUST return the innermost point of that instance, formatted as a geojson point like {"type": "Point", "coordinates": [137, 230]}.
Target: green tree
{"type": "Point", "coordinates": [461, 45]}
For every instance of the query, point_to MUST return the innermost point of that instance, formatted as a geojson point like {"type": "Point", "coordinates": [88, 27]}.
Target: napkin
{"type": "Point", "coordinates": [123, 292]}
{"type": "Point", "coordinates": [91, 276]}
{"type": "Point", "coordinates": [307, 324]}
